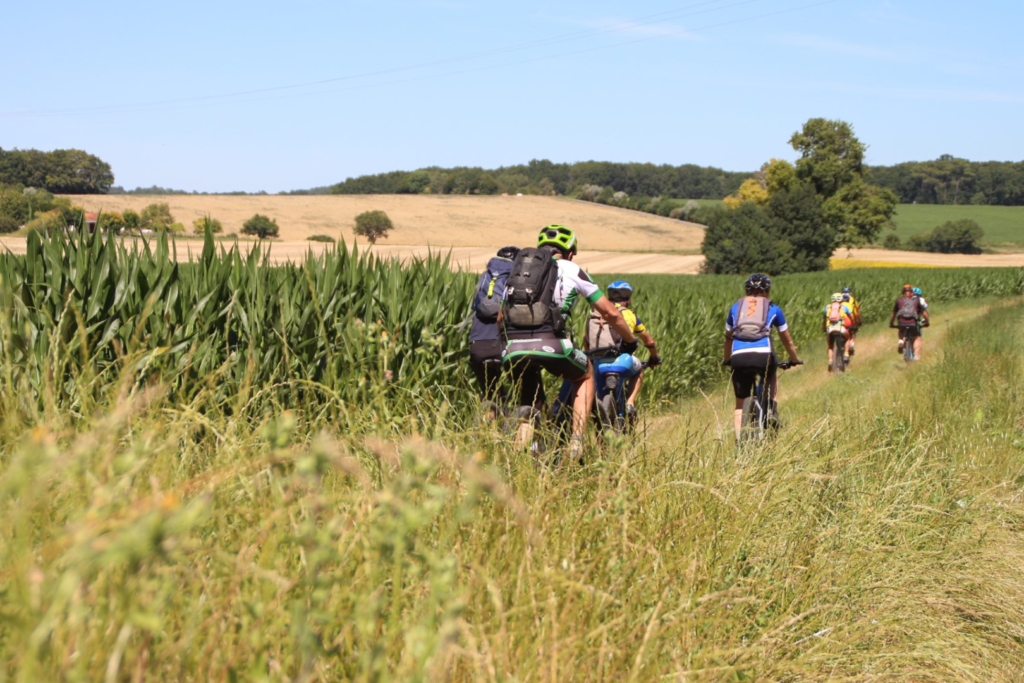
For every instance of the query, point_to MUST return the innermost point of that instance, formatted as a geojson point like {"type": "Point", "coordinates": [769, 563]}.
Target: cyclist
{"type": "Point", "coordinates": [855, 308]}
{"type": "Point", "coordinates": [908, 312]}
{"type": "Point", "coordinates": [485, 342]}
{"type": "Point", "coordinates": [838, 317]}
{"type": "Point", "coordinates": [599, 336]}
{"type": "Point", "coordinates": [920, 295]}
{"type": "Point", "coordinates": [545, 344]}
{"type": "Point", "coordinates": [748, 343]}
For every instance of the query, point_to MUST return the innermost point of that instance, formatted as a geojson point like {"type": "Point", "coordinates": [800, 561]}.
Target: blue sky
{"type": "Point", "coordinates": [219, 96]}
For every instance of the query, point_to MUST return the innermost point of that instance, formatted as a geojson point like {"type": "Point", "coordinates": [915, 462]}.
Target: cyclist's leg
{"type": "Point", "coordinates": [744, 376]}
{"type": "Point", "coordinates": [918, 342]}
{"type": "Point", "coordinates": [848, 333]}
{"type": "Point", "coordinates": [771, 383]}
{"type": "Point", "coordinates": [828, 340]}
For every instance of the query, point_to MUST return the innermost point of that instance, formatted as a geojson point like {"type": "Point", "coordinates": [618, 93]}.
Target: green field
{"type": "Point", "coordinates": [227, 471]}
{"type": "Point", "coordinates": [1002, 224]}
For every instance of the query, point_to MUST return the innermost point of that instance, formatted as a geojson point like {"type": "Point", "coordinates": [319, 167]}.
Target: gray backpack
{"type": "Point", "coordinates": [751, 318]}
{"type": "Point", "coordinates": [908, 309]}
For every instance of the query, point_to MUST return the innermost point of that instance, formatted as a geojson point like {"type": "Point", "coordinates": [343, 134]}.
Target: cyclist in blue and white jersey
{"type": "Point", "coordinates": [748, 342]}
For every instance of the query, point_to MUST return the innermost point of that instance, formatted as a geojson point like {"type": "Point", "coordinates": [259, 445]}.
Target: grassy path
{"type": "Point", "coordinates": [874, 368]}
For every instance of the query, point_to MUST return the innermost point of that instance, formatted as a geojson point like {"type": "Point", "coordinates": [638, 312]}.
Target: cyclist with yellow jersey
{"type": "Point", "coordinates": [854, 305]}
{"type": "Point", "coordinates": [600, 337]}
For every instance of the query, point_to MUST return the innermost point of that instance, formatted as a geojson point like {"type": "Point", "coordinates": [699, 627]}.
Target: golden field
{"type": "Point", "coordinates": [427, 220]}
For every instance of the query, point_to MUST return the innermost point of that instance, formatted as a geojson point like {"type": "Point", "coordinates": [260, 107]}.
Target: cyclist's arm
{"type": "Point", "coordinates": [727, 351]}
{"type": "Point", "coordinates": [787, 341]}
{"type": "Point", "coordinates": [608, 311]}
{"type": "Point", "coordinates": [647, 340]}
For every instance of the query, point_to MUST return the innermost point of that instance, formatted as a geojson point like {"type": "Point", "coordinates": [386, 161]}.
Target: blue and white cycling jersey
{"type": "Point", "coordinates": [776, 319]}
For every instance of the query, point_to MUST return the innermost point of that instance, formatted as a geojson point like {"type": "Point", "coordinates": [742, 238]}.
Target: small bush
{"type": "Point", "coordinates": [199, 225]}
{"type": "Point", "coordinates": [132, 220]}
{"type": "Point", "coordinates": [373, 225]}
{"type": "Point", "coordinates": [8, 224]}
{"type": "Point", "coordinates": [321, 238]}
{"type": "Point", "coordinates": [952, 237]}
{"type": "Point", "coordinates": [175, 227]}
{"type": "Point", "coordinates": [156, 217]}
{"type": "Point", "coordinates": [261, 226]}
{"type": "Point", "coordinates": [892, 241]}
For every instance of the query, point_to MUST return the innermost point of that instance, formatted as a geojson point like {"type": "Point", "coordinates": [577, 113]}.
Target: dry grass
{"type": "Point", "coordinates": [438, 220]}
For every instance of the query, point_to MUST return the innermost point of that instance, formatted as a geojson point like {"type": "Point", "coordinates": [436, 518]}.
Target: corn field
{"type": "Point", "coordinates": [341, 334]}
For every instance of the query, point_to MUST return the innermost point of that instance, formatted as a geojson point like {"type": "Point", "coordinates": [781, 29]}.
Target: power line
{"type": "Point", "coordinates": [206, 101]}
{"type": "Point", "coordinates": [647, 20]}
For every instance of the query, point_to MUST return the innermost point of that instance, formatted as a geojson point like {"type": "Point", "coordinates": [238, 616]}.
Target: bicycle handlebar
{"type": "Point", "coordinates": [787, 364]}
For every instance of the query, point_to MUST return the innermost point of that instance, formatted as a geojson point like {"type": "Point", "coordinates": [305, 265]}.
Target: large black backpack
{"type": "Point", "coordinates": [530, 291]}
{"type": "Point", "coordinates": [490, 289]}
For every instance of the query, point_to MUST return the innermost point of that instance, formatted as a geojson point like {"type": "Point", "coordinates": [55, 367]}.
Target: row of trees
{"type": "Point", "coordinates": [946, 180]}
{"type": "Point", "coordinates": [950, 180]}
{"type": "Point", "coordinates": [544, 177]}
{"type": "Point", "coordinates": [790, 218]}
{"type": "Point", "coordinates": [62, 171]}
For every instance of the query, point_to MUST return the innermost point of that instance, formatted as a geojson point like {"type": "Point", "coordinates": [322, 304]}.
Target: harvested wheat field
{"type": "Point", "coordinates": [421, 220]}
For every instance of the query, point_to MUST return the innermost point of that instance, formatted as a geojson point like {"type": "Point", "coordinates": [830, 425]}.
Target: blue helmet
{"type": "Point", "coordinates": [917, 290]}
{"type": "Point", "coordinates": [846, 290]}
{"type": "Point", "coordinates": [620, 290]}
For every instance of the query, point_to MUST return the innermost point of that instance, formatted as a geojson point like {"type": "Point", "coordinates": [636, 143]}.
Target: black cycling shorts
{"type": "Point", "coordinates": [525, 358]}
{"type": "Point", "coordinates": [909, 331]}
{"type": "Point", "coordinates": [745, 369]}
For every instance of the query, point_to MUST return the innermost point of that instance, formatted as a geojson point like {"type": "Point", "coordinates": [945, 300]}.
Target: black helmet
{"type": "Point", "coordinates": [508, 252]}
{"type": "Point", "coordinates": [757, 282]}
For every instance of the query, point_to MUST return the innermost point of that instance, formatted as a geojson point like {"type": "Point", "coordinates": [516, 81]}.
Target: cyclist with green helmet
{"type": "Point", "coordinates": [539, 341]}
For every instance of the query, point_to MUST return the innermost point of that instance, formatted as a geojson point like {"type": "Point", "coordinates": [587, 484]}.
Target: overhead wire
{"type": "Point", "coordinates": [206, 101]}
{"type": "Point", "coordinates": [646, 20]}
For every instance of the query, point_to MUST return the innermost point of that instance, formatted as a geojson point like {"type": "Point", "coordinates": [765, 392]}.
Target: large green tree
{"type": "Point", "coordinates": [832, 161]}
{"type": "Point", "coordinates": [830, 155]}
{"type": "Point", "coordinates": [67, 171]}
{"type": "Point", "coordinates": [744, 240]}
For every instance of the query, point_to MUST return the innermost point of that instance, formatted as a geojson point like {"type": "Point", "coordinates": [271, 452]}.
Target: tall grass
{"type": "Point", "coordinates": [878, 538]}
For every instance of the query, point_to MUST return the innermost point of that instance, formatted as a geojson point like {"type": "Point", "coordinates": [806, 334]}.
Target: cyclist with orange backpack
{"type": "Point", "coordinates": [838, 317]}
{"type": "Point", "coordinates": [748, 344]}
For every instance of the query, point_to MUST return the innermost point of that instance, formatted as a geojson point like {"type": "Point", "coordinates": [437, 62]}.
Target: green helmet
{"type": "Point", "coordinates": [559, 237]}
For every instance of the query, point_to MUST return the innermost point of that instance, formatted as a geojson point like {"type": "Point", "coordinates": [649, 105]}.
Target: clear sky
{"type": "Point", "coordinates": [225, 95]}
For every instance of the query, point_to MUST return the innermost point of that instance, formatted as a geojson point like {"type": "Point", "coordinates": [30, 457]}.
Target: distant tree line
{"type": "Point", "coordinates": [544, 177]}
{"type": "Point", "coordinates": [62, 171]}
{"type": "Point", "coordinates": [156, 189]}
{"type": "Point", "coordinates": [950, 180]}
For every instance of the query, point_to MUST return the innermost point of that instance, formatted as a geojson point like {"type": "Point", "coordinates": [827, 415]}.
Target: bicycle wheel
{"type": "Point", "coordinates": [752, 426]}
{"type": "Point", "coordinates": [908, 349]}
{"type": "Point", "coordinates": [609, 412]}
{"type": "Point", "coordinates": [838, 365]}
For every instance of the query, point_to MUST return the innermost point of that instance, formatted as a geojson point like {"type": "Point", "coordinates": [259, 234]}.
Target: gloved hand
{"type": "Point", "coordinates": [629, 347]}
{"type": "Point", "coordinates": [654, 361]}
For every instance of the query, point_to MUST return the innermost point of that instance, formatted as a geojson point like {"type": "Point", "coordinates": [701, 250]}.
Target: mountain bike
{"type": "Point", "coordinates": [908, 339]}
{"type": "Point", "coordinates": [610, 400]}
{"type": "Point", "coordinates": [760, 411]}
{"type": "Point", "coordinates": [837, 343]}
